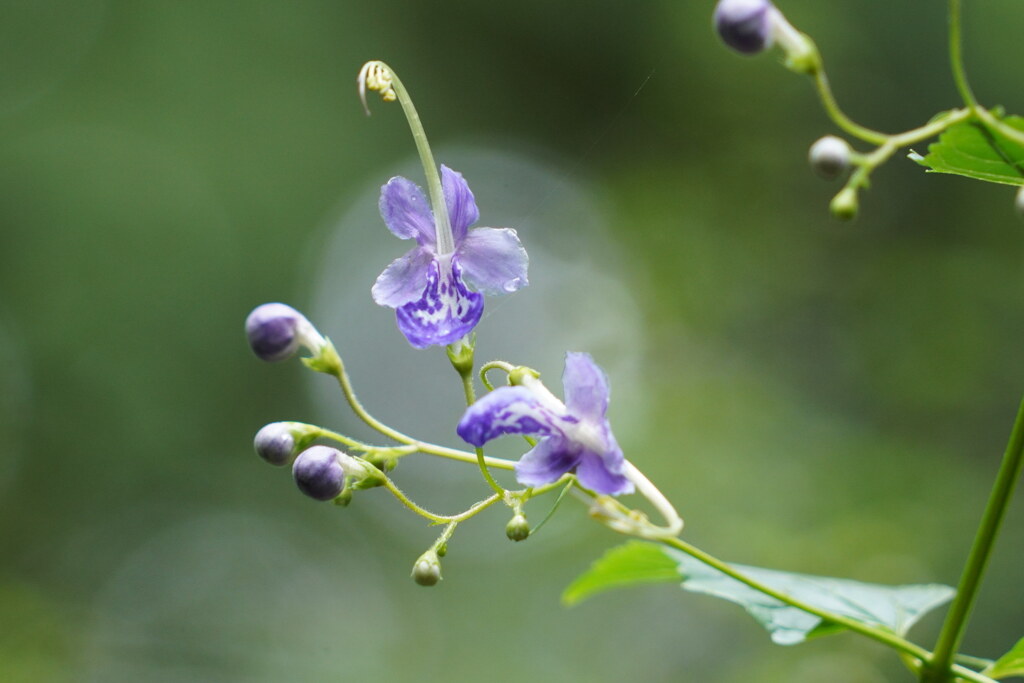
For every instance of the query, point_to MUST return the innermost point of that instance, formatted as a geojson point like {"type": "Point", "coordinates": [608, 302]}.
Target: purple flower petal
{"type": "Point", "coordinates": [445, 313]}
{"type": "Point", "coordinates": [595, 474]}
{"type": "Point", "coordinates": [507, 410]}
{"type": "Point", "coordinates": [494, 260]}
{"type": "Point", "coordinates": [585, 386]}
{"type": "Point", "coordinates": [549, 460]}
{"type": "Point", "coordinates": [405, 210]}
{"type": "Point", "coordinates": [404, 279]}
{"type": "Point", "coordinates": [462, 211]}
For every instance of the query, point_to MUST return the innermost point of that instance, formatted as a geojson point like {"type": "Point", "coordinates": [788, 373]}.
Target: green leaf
{"type": "Point", "coordinates": [895, 608]}
{"type": "Point", "coordinates": [972, 149]}
{"type": "Point", "coordinates": [632, 563]}
{"type": "Point", "coordinates": [1010, 664]}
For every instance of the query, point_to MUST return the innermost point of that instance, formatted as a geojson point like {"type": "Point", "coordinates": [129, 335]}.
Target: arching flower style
{"type": "Point", "coordinates": [575, 435]}
{"type": "Point", "coordinates": [427, 287]}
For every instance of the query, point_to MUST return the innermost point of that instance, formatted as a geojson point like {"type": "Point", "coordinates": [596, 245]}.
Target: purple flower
{"type": "Point", "coordinates": [575, 435]}
{"type": "Point", "coordinates": [427, 287]}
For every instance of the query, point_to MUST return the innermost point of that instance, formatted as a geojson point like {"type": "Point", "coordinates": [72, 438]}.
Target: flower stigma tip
{"type": "Point", "coordinates": [376, 76]}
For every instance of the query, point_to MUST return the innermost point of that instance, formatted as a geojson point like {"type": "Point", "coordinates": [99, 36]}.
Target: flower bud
{"type": "Point", "coordinates": [276, 442]}
{"type": "Point", "coordinates": [518, 529]}
{"type": "Point", "coordinates": [844, 205]}
{"type": "Point", "coordinates": [319, 472]}
{"type": "Point", "coordinates": [276, 331]}
{"type": "Point", "coordinates": [427, 570]}
{"type": "Point", "coordinates": [1019, 203]}
{"type": "Point", "coordinates": [830, 157]}
{"type": "Point", "coordinates": [744, 25]}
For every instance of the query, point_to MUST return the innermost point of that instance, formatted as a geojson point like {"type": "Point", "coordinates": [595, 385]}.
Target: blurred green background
{"type": "Point", "coordinates": [821, 397]}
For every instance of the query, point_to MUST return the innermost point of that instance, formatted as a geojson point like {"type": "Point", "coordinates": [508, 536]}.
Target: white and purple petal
{"type": "Point", "coordinates": [462, 210]}
{"type": "Point", "coordinates": [405, 210]}
{"type": "Point", "coordinates": [446, 311]}
{"type": "Point", "coordinates": [493, 260]}
{"type": "Point", "coordinates": [596, 473]}
{"type": "Point", "coordinates": [547, 461]}
{"type": "Point", "coordinates": [404, 280]}
{"type": "Point", "coordinates": [507, 410]}
{"type": "Point", "coordinates": [585, 386]}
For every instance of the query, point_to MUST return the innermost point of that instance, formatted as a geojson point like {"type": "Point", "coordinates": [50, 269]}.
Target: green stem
{"type": "Point", "coordinates": [1003, 129]}
{"type": "Point", "coordinates": [956, 56]}
{"type": "Point", "coordinates": [357, 407]}
{"type": "Point", "coordinates": [442, 224]}
{"type": "Point", "coordinates": [438, 519]}
{"type": "Point", "coordinates": [464, 366]}
{"type": "Point", "coordinates": [836, 114]}
{"type": "Point", "coordinates": [892, 143]}
{"type": "Point", "coordinates": [494, 365]}
{"type": "Point", "coordinates": [875, 633]}
{"type": "Point", "coordinates": [959, 612]}
{"type": "Point", "coordinates": [558, 501]}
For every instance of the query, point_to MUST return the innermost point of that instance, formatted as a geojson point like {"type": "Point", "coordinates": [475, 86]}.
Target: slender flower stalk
{"type": "Point", "coordinates": [378, 76]}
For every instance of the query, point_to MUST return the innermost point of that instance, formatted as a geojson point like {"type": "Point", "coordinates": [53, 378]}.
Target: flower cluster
{"type": "Point", "coordinates": [437, 290]}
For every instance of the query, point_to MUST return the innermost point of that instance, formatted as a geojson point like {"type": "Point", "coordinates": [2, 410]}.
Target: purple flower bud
{"type": "Point", "coordinates": [744, 25]}
{"type": "Point", "coordinates": [276, 331]}
{"type": "Point", "coordinates": [319, 473]}
{"type": "Point", "coordinates": [275, 443]}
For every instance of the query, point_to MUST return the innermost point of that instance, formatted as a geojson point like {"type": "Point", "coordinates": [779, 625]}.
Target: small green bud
{"type": "Point", "coordinates": [517, 529]}
{"type": "Point", "coordinates": [461, 355]}
{"type": "Point", "coordinates": [442, 550]}
{"type": "Point", "coordinates": [427, 570]}
{"type": "Point", "coordinates": [830, 157]}
{"type": "Point", "coordinates": [844, 204]}
{"type": "Point", "coordinates": [1019, 203]}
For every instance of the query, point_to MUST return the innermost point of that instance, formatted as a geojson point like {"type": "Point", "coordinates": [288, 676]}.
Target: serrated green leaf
{"type": "Point", "coordinates": [972, 149]}
{"type": "Point", "coordinates": [632, 563]}
{"type": "Point", "coordinates": [895, 608]}
{"type": "Point", "coordinates": [1010, 664]}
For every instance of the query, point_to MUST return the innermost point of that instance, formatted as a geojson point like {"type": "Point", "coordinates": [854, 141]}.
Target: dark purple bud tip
{"type": "Point", "coordinates": [273, 331]}
{"type": "Point", "coordinates": [744, 25]}
{"type": "Point", "coordinates": [318, 472]}
{"type": "Point", "coordinates": [275, 443]}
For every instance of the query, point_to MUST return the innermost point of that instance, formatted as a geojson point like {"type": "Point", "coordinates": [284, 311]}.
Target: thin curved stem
{"type": "Point", "coordinates": [357, 407]}
{"type": "Point", "coordinates": [391, 82]}
{"type": "Point", "coordinates": [859, 178]}
{"type": "Point", "coordinates": [435, 518]}
{"type": "Point", "coordinates": [493, 365]}
{"type": "Point", "coordinates": [466, 373]}
{"type": "Point", "coordinates": [956, 56]}
{"type": "Point", "coordinates": [995, 510]}
{"type": "Point", "coordinates": [838, 117]}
